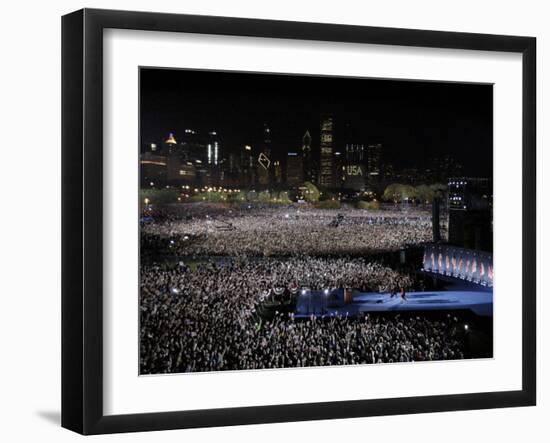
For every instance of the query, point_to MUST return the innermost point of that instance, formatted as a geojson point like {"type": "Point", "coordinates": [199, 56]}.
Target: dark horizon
{"type": "Point", "coordinates": [414, 120]}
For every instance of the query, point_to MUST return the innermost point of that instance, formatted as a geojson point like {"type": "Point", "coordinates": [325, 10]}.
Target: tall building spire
{"type": "Point", "coordinates": [326, 172]}
{"type": "Point", "coordinates": [306, 141]}
{"type": "Point", "coordinates": [171, 140]}
{"type": "Point", "coordinates": [308, 163]}
{"type": "Point", "coordinates": [170, 144]}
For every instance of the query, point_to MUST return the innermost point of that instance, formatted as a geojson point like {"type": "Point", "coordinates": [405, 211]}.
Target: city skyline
{"type": "Point", "coordinates": [316, 209]}
{"type": "Point", "coordinates": [413, 121]}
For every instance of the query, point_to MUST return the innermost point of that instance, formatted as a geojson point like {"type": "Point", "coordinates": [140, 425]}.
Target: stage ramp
{"type": "Point", "coordinates": [331, 302]}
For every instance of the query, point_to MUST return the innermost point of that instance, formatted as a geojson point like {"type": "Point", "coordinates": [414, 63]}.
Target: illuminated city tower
{"type": "Point", "coordinates": [374, 164]}
{"type": "Point", "coordinates": [213, 149]}
{"type": "Point", "coordinates": [266, 173]}
{"type": "Point", "coordinates": [170, 144]}
{"type": "Point", "coordinates": [326, 172]}
{"type": "Point", "coordinates": [307, 158]}
{"type": "Point", "coordinates": [247, 166]}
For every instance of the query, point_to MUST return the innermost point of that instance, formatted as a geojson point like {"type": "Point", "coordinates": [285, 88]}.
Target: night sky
{"type": "Point", "coordinates": [415, 121]}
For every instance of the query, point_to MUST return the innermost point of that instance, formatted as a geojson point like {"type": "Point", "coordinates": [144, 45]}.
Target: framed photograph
{"type": "Point", "coordinates": [268, 221]}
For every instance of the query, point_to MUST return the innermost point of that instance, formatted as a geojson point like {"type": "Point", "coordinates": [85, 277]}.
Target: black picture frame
{"type": "Point", "coordinates": [82, 215]}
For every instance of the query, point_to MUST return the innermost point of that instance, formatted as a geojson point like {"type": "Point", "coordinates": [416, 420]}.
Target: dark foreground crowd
{"type": "Point", "coordinates": [208, 318]}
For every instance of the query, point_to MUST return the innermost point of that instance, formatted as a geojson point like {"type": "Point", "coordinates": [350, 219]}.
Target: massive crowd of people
{"type": "Point", "coordinates": [252, 231]}
{"type": "Point", "coordinates": [207, 318]}
{"type": "Point", "coordinates": [205, 310]}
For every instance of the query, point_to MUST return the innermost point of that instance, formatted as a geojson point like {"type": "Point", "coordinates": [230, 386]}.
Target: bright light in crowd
{"type": "Point", "coordinates": [286, 215]}
{"type": "Point", "coordinates": [466, 327]}
{"type": "Point", "coordinates": [326, 291]}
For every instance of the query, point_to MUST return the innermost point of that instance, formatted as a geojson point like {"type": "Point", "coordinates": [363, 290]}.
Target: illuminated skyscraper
{"type": "Point", "coordinates": [374, 161]}
{"type": "Point", "coordinates": [213, 149]}
{"type": "Point", "coordinates": [247, 166]}
{"type": "Point", "coordinates": [170, 144]}
{"type": "Point", "coordinates": [266, 174]}
{"type": "Point", "coordinates": [326, 172]}
{"type": "Point", "coordinates": [353, 168]}
{"type": "Point", "coordinates": [470, 202]}
{"type": "Point", "coordinates": [355, 153]}
{"type": "Point", "coordinates": [310, 170]}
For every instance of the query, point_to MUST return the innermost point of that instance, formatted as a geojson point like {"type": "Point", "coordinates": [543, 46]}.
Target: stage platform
{"type": "Point", "coordinates": [330, 303]}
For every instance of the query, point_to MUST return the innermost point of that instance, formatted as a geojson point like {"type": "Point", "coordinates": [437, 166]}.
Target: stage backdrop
{"type": "Point", "coordinates": [466, 264]}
